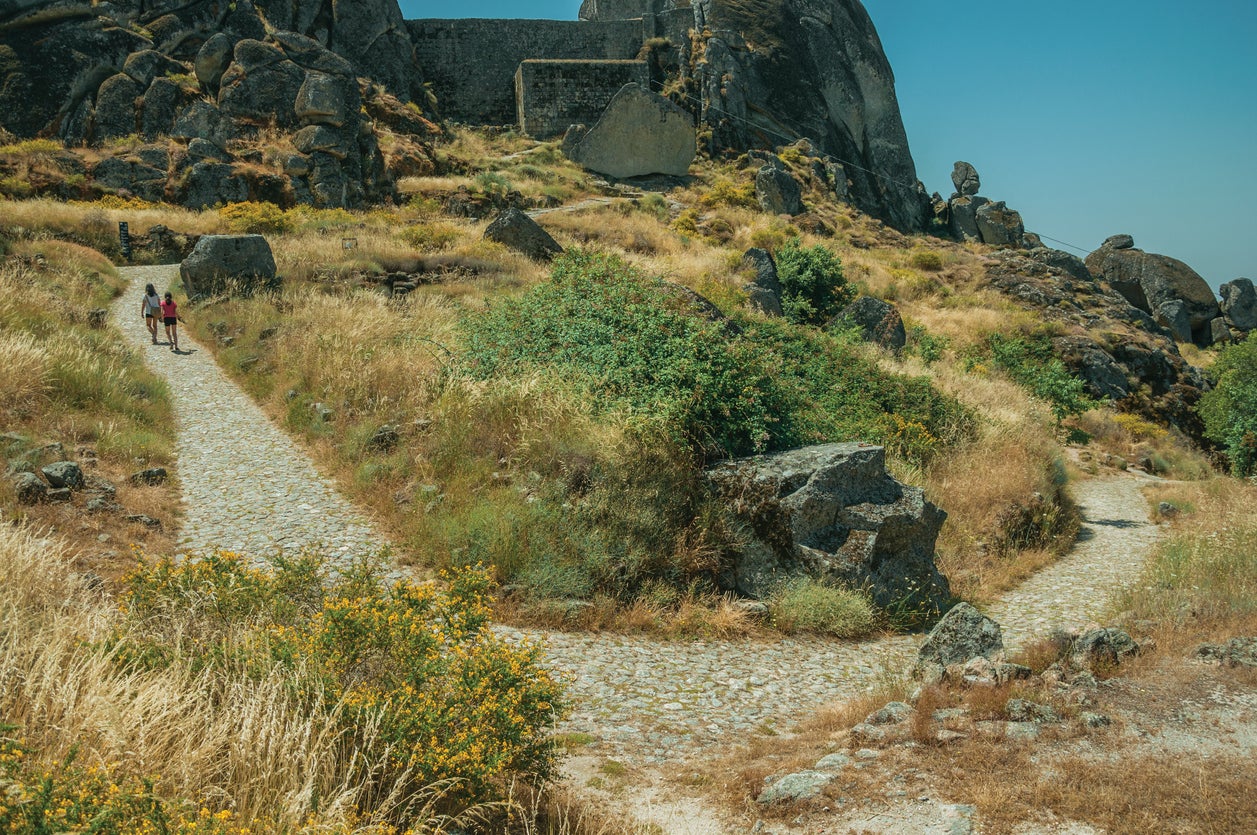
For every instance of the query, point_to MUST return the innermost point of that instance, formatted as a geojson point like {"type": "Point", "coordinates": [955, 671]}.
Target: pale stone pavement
{"type": "Point", "coordinates": [247, 486]}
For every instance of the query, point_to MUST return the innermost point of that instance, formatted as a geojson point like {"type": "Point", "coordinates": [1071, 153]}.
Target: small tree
{"type": "Point", "coordinates": [1230, 410]}
{"type": "Point", "coordinates": [813, 288]}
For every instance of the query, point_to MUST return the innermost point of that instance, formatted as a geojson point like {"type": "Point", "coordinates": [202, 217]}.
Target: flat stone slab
{"type": "Point", "coordinates": [639, 133]}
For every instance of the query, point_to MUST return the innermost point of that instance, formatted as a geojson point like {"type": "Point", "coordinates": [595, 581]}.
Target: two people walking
{"type": "Point", "coordinates": [154, 306]}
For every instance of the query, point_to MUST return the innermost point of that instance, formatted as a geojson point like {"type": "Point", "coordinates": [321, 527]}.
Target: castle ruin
{"type": "Point", "coordinates": [544, 75]}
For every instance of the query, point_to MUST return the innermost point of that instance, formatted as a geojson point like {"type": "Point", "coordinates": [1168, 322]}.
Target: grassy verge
{"type": "Point", "coordinates": [69, 389]}
{"type": "Point", "coordinates": [216, 698]}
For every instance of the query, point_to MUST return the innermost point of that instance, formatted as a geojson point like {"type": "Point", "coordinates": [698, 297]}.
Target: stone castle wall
{"type": "Point", "coordinates": [553, 95]}
{"type": "Point", "coordinates": [471, 64]}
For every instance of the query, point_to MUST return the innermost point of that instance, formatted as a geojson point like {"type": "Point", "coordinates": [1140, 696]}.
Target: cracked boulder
{"type": "Point", "coordinates": [833, 513]}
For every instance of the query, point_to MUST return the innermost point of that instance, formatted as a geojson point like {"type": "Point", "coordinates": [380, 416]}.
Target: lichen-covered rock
{"type": "Point", "coordinates": [879, 322]}
{"type": "Point", "coordinates": [964, 217]}
{"type": "Point", "coordinates": [777, 192]}
{"type": "Point", "coordinates": [639, 133]}
{"type": "Point", "coordinates": [260, 85]}
{"type": "Point", "coordinates": [831, 512]}
{"type": "Point", "coordinates": [999, 225]}
{"type": "Point", "coordinates": [1102, 647]}
{"type": "Point", "coordinates": [66, 474]}
{"type": "Point", "coordinates": [521, 233]}
{"type": "Point", "coordinates": [1239, 304]}
{"type": "Point", "coordinates": [964, 633]}
{"type": "Point", "coordinates": [212, 60]}
{"type": "Point", "coordinates": [28, 488]}
{"type": "Point", "coordinates": [228, 263]}
{"type": "Point", "coordinates": [812, 68]}
{"type": "Point", "coordinates": [115, 107]}
{"type": "Point", "coordinates": [965, 178]}
{"type": "Point", "coordinates": [764, 289]}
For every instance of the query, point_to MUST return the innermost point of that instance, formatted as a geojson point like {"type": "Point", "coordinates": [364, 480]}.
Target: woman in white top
{"type": "Point", "coordinates": [150, 308]}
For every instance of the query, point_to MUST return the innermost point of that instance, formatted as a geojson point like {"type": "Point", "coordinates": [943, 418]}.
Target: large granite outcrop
{"type": "Point", "coordinates": [1118, 350]}
{"type": "Point", "coordinates": [832, 512]}
{"type": "Point", "coordinates": [1165, 288]}
{"type": "Point", "coordinates": [779, 70]}
{"type": "Point", "coordinates": [639, 133]}
{"type": "Point", "coordinates": [216, 72]}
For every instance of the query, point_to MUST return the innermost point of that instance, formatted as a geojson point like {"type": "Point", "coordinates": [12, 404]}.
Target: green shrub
{"type": "Point", "coordinates": [813, 288]}
{"type": "Point", "coordinates": [1031, 365]}
{"type": "Point", "coordinates": [805, 605]}
{"type": "Point", "coordinates": [843, 396]}
{"type": "Point", "coordinates": [926, 260]}
{"type": "Point", "coordinates": [1230, 409]}
{"type": "Point", "coordinates": [634, 344]}
{"type": "Point", "coordinates": [927, 346]}
{"type": "Point", "coordinates": [491, 182]}
{"type": "Point", "coordinates": [44, 799]}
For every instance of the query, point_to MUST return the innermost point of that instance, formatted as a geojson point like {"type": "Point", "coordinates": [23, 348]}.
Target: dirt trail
{"type": "Point", "coordinates": [642, 702]}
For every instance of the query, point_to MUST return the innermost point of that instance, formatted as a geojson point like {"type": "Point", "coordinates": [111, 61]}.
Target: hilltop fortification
{"type": "Point", "coordinates": [754, 73]}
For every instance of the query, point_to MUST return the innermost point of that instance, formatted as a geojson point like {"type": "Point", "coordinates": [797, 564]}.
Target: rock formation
{"type": "Point", "coordinates": [769, 73]}
{"type": "Point", "coordinates": [833, 513]}
{"type": "Point", "coordinates": [1239, 304]}
{"type": "Point", "coordinates": [1165, 288]}
{"type": "Point", "coordinates": [228, 263]}
{"type": "Point", "coordinates": [1118, 349]}
{"type": "Point", "coordinates": [764, 288]}
{"type": "Point", "coordinates": [639, 133]}
{"type": "Point", "coordinates": [969, 217]}
{"type": "Point", "coordinates": [214, 73]}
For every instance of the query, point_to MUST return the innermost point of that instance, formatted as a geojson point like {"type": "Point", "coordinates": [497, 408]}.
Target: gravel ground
{"type": "Point", "coordinates": [248, 487]}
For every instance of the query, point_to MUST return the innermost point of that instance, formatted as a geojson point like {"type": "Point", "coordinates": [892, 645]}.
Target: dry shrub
{"type": "Point", "coordinates": [997, 531]}
{"type": "Point", "coordinates": [1135, 794]}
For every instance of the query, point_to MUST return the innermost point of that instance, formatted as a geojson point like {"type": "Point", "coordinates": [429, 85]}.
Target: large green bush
{"type": "Point", "coordinates": [637, 344]}
{"type": "Point", "coordinates": [813, 288]}
{"type": "Point", "coordinates": [686, 388]}
{"type": "Point", "coordinates": [1230, 409]}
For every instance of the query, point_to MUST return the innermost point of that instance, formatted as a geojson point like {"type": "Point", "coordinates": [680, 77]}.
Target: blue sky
{"type": "Point", "coordinates": [1090, 118]}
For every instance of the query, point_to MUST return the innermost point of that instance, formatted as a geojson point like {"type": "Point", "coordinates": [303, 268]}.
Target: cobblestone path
{"type": "Point", "coordinates": [247, 486]}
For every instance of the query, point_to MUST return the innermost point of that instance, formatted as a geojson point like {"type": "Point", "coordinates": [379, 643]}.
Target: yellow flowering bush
{"type": "Point", "coordinates": [444, 698]}
{"type": "Point", "coordinates": [67, 797]}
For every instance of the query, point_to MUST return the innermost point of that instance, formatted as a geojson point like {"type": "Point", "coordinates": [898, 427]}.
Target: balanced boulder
{"type": "Point", "coordinates": [234, 264]}
{"type": "Point", "coordinates": [965, 178]}
{"type": "Point", "coordinates": [1157, 285]}
{"type": "Point", "coordinates": [639, 133]}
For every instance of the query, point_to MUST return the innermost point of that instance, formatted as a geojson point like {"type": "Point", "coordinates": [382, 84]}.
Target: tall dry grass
{"type": "Point", "coordinates": [260, 748]}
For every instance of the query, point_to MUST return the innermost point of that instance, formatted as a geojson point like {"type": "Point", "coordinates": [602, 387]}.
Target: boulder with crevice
{"type": "Point", "coordinates": [832, 513]}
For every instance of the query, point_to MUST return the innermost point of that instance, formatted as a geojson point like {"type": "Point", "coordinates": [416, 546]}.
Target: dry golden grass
{"type": "Point", "coordinates": [23, 373]}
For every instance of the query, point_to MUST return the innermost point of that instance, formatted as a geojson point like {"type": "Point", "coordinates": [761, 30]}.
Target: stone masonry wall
{"type": "Point", "coordinates": [471, 64]}
{"type": "Point", "coordinates": [552, 95]}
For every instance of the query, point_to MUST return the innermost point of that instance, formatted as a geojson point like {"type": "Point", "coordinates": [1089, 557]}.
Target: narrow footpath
{"type": "Point", "coordinates": [248, 487]}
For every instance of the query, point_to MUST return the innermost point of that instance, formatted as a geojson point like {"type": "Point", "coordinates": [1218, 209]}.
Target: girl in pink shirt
{"type": "Point", "coordinates": [170, 318]}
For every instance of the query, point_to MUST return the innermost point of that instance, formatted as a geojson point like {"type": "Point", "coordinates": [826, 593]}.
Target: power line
{"type": "Point", "coordinates": [816, 150]}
